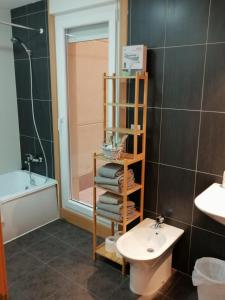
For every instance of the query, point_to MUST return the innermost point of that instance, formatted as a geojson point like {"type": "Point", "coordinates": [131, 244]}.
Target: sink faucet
{"type": "Point", "coordinates": [159, 221]}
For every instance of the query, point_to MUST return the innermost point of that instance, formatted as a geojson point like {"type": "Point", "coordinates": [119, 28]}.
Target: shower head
{"type": "Point", "coordinates": [16, 40]}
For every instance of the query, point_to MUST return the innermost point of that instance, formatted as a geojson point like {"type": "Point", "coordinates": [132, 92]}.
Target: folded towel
{"type": "Point", "coordinates": [117, 209]}
{"type": "Point", "coordinates": [116, 181]}
{"type": "Point", "coordinates": [110, 198]}
{"type": "Point", "coordinates": [110, 170]}
{"type": "Point", "coordinates": [117, 189]}
{"type": "Point", "coordinates": [113, 216]}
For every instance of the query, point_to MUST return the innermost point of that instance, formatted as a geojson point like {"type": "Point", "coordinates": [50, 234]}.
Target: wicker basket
{"type": "Point", "coordinates": [113, 153]}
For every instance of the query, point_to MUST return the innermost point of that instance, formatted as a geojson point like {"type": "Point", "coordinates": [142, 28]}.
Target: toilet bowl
{"type": "Point", "coordinates": [149, 252]}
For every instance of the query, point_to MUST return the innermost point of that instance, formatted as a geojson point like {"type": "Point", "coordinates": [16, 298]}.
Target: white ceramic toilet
{"type": "Point", "coordinates": [149, 252]}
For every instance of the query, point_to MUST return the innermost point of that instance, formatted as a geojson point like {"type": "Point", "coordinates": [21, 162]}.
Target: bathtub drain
{"type": "Point", "coordinates": [150, 250]}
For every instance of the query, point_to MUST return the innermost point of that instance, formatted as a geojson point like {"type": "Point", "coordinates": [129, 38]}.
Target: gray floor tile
{"type": "Point", "coordinates": [31, 238]}
{"type": "Point", "coordinates": [48, 249]}
{"type": "Point", "coordinates": [20, 264]}
{"type": "Point", "coordinates": [171, 282]}
{"type": "Point", "coordinates": [71, 291]}
{"type": "Point", "coordinates": [86, 246]}
{"type": "Point", "coordinates": [124, 292]}
{"type": "Point", "coordinates": [55, 226]}
{"type": "Point", "coordinates": [183, 289]}
{"type": "Point", "coordinates": [11, 249]}
{"type": "Point", "coordinates": [104, 281]}
{"type": "Point", "coordinates": [14, 295]}
{"type": "Point", "coordinates": [75, 266]}
{"type": "Point", "coordinates": [39, 284]}
{"type": "Point", "coordinates": [73, 235]}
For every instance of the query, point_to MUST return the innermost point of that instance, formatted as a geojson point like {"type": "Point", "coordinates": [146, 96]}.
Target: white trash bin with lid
{"type": "Point", "coordinates": [209, 277]}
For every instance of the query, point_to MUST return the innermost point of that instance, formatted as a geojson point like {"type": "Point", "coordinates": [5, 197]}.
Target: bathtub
{"type": "Point", "coordinates": [25, 207]}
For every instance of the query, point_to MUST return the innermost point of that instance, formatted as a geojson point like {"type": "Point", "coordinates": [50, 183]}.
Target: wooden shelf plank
{"type": "Point", "coordinates": [123, 104]}
{"type": "Point", "coordinates": [130, 158]}
{"type": "Point", "coordinates": [124, 130]}
{"type": "Point", "coordinates": [112, 256]}
{"type": "Point", "coordinates": [128, 221]}
{"type": "Point", "coordinates": [136, 187]}
{"type": "Point", "coordinates": [125, 77]}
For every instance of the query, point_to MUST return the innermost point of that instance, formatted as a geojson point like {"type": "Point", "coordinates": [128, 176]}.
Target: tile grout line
{"type": "Point", "coordinates": [186, 45]}
{"type": "Point", "coordinates": [33, 58]}
{"type": "Point", "coordinates": [28, 99]}
{"type": "Point", "coordinates": [210, 231]}
{"type": "Point", "coordinates": [161, 114]}
{"type": "Point", "coordinates": [186, 109]}
{"type": "Point", "coordinates": [182, 168]}
{"type": "Point", "coordinates": [34, 137]}
{"type": "Point", "coordinates": [199, 133]}
{"type": "Point", "coordinates": [29, 14]}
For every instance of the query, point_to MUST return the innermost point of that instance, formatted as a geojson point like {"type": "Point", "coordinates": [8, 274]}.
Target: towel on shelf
{"type": "Point", "coordinates": [117, 209]}
{"type": "Point", "coordinates": [110, 198]}
{"type": "Point", "coordinates": [117, 188]}
{"type": "Point", "coordinates": [110, 170]}
{"type": "Point", "coordinates": [113, 216]}
{"type": "Point", "coordinates": [115, 181]}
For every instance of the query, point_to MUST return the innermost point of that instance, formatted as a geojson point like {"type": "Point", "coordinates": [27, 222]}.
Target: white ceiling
{"type": "Point", "coordinates": [14, 3]}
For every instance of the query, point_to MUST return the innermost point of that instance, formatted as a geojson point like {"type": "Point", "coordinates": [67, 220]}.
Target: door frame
{"type": "Point", "coordinates": [96, 15]}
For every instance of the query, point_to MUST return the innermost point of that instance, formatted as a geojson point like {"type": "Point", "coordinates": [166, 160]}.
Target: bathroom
{"type": "Point", "coordinates": [47, 232]}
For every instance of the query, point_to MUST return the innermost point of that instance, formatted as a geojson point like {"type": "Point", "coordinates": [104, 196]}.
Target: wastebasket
{"type": "Point", "coordinates": [209, 277]}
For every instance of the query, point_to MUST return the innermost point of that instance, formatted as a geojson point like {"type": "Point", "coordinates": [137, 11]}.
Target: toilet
{"type": "Point", "coordinates": [149, 251]}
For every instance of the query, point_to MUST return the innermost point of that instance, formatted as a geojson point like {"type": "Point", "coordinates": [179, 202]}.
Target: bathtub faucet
{"type": "Point", "coordinates": [31, 159]}
{"type": "Point", "coordinates": [159, 221]}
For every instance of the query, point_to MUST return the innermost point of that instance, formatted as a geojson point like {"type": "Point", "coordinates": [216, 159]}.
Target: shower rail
{"type": "Point", "coordinates": [40, 30]}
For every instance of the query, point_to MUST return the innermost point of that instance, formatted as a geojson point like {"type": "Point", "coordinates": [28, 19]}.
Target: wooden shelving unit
{"type": "Point", "coordinates": [127, 159]}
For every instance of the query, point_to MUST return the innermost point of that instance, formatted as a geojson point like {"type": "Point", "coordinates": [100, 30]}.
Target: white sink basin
{"type": "Point", "coordinates": [212, 202]}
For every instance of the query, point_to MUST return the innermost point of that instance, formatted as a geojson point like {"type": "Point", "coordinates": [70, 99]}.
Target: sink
{"type": "Point", "coordinates": [212, 202]}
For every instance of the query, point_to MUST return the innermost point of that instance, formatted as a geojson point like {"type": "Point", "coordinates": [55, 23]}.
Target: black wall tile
{"type": "Point", "coordinates": [214, 90]}
{"type": "Point", "coordinates": [181, 249]}
{"type": "Point", "coordinates": [27, 145]}
{"type": "Point", "coordinates": [211, 147]}
{"type": "Point", "coordinates": [179, 138]}
{"type": "Point", "coordinates": [151, 183]}
{"type": "Point", "coordinates": [176, 191]}
{"type": "Point", "coordinates": [40, 167]}
{"type": "Point", "coordinates": [36, 6]}
{"type": "Point", "coordinates": [42, 117]}
{"type": "Point", "coordinates": [148, 22]}
{"type": "Point", "coordinates": [206, 244]}
{"type": "Point", "coordinates": [153, 134]}
{"type": "Point", "coordinates": [41, 79]}
{"type": "Point", "coordinates": [186, 22]}
{"type": "Point", "coordinates": [25, 118]}
{"type": "Point", "coordinates": [37, 41]}
{"type": "Point", "coordinates": [19, 11]}
{"type": "Point", "coordinates": [203, 181]}
{"type": "Point", "coordinates": [217, 21]}
{"type": "Point", "coordinates": [22, 35]}
{"type": "Point", "coordinates": [22, 79]}
{"type": "Point", "coordinates": [34, 15]}
{"type": "Point", "coordinates": [155, 70]}
{"type": "Point", "coordinates": [183, 77]}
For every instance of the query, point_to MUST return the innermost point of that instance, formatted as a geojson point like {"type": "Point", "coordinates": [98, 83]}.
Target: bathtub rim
{"type": "Point", "coordinates": [32, 190]}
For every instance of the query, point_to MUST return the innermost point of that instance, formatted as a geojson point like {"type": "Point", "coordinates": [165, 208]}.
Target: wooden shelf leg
{"type": "Point", "coordinates": [94, 213]}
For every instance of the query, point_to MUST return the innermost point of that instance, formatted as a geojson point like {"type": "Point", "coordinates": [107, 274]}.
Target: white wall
{"type": "Point", "coordinates": [61, 6]}
{"type": "Point", "coordinates": [9, 128]}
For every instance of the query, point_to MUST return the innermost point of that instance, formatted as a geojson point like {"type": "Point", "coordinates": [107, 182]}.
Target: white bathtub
{"type": "Point", "coordinates": [25, 207]}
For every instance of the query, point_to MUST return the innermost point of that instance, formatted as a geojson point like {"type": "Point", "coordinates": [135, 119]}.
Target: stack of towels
{"type": "Point", "coordinates": [111, 206]}
{"type": "Point", "coordinates": [111, 177]}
